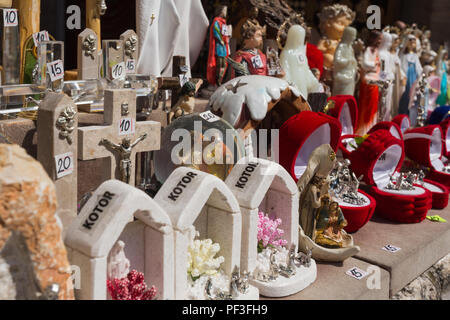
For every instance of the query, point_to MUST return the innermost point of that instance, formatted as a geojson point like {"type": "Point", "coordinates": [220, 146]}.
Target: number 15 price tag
{"type": "Point", "coordinates": [56, 70]}
{"type": "Point", "coordinates": [64, 164]}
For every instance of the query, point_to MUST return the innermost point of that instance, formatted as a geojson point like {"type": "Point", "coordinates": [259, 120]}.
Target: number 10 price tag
{"type": "Point", "coordinates": [56, 70]}
{"type": "Point", "coordinates": [127, 126]}
{"type": "Point", "coordinates": [39, 37]}
{"type": "Point", "coordinates": [118, 71]}
{"type": "Point", "coordinates": [64, 164]}
{"type": "Point", "coordinates": [10, 18]}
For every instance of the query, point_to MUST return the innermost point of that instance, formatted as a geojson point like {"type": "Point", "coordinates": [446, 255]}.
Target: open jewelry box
{"type": "Point", "coordinates": [377, 158]}
{"type": "Point", "coordinates": [346, 111]}
{"type": "Point", "coordinates": [402, 120]}
{"type": "Point", "coordinates": [424, 146]}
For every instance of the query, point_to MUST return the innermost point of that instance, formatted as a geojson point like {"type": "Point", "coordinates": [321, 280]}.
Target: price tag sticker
{"type": "Point", "coordinates": [257, 62]}
{"type": "Point", "coordinates": [127, 126]}
{"type": "Point", "coordinates": [209, 116]}
{"type": "Point", "coordinates": [357, 273]}
{"type": "Point", "coordinates": [301, 58]}
{"type": "Point", "coordinates": [118, 71]}
{"type": "Point", "coordinates": [39, 37]}
{"type": "Point", "coordinates": [130, 66]}
{"type": "Point", "coordinates": [391, 248]}
{"type": "Point", "coordinates": [64, 164]}
{"type": "Point", "coordinates": [56, 70]}
{"type": "Point", "coordinates": [183, 79]}
{"type": "Point", "coordinates": [10, 18]}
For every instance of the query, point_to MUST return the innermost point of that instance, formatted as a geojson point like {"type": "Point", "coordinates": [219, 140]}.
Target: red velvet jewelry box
{"type": "Point", "coordinates": [378, 157]}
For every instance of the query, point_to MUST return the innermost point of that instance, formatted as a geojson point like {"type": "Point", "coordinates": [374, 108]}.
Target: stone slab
{"type": "Point", "coordinates": [422, 245]}
{"type": "Point", "coordinates": [333, 284]}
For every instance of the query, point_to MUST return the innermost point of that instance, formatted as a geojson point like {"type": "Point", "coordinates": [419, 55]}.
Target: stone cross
{"type": "Point", "coordinates": [57, 150]}
{"type": "Point", "coordinates": [88, 67]}
{"type": "Point", "coordinates": [120, 138]}
{"type": "Point", "coordinates": [105, 219]}
{"type": "Point", "coordinates": [33, 258]}
{"type": "Point", "coordinates": [131, 50]}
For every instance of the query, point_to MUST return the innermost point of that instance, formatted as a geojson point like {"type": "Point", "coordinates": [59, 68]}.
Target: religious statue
{"type": "Point", "coordinates": [66, 124]}
{"type": "Point", "coordinates": [329, 224]}
{"type": "Point", "coordinates": [295, 63]}
{"type": "Point", "coordinates": [313, 185]}
{"type": "Point", "coordinates": [413, 69]}
{"type": "Point", "coordinates": [124, 149]}
{"type": "Point", "coordinates": [219, 48]}
{"type": "Point", "coordinates": [399, 75]}
{"type": "Point", "coordinates": [333, 21]}
{"type": "Point", "coordinates": [442, 68]}
{"type": "Point", "coordinates": [185, 104]}
{"type": "Point", "coordinates": [345, 71]}
{"type": "Point", "coordinates": [388, 65]}
{"type": "Point", "coordinates": [251, 60]}
{"type": "Point", "coordinates": [118, 265]}
{"type": "Point", "coordinates": [369, 92]}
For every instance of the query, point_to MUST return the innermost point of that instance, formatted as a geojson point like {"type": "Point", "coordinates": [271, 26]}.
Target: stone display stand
{"type": "Point", "coordinates": [194, 198]}
{"type": "Point", "coordinates": [264, 185]}
{"type": "Point", "coordinates": [105, 219]}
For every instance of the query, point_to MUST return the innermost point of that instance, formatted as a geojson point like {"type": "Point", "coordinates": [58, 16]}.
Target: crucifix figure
{"type": "Point", "coordinates": [94, 142]}
{"type": "Point", "coordinates": [153, 18]}
{"type": "Point", "coordinates": [124, 149]}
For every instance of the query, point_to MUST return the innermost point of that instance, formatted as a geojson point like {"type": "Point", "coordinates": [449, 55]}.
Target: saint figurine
{"type": "Point", "coordinates": [413, 69]}
{"type": "Point", "coordinates": [388, 67]}
{"type": "Point", "coordinates": [251, 59]}
{"type": "Point", "coordinates": [219, 48]}
{"type": "Point", "coordinates": [369, 92]}
{"type": "Point", "coordinates": [442, 71]}
{"type": "Point", "coordinates": [313, 185]}
{"type": "Point", "coordinates": [124, 149]}
{"type": "Point", "coordinates": [333, 21]}
{"type": "Point", "coordinates": [329, 224]}
{"type": "Point", "coordinates": [345, 71]}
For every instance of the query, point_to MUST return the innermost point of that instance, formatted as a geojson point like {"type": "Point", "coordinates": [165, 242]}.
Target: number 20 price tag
{"type": "Point", "coordinates": [64, 164]}
{"type": "Point", "coordinates": [56, 70]}
{"type": "Point", "coordinates": [127, 126]}
{"type": "Point", "coordinates": [10, 18]}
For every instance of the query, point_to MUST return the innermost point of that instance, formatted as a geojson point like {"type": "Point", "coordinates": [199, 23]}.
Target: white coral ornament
{"type": "Point", "coordinates": [201, 259]}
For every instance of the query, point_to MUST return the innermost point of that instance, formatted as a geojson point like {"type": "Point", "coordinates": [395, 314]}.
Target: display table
{"type": "Point", "coordinates": [332, 283]}
{"type": "Point", "coordinates": [422, 245]}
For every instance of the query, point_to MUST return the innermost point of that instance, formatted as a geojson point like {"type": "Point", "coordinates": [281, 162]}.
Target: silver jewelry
{"type": "Point", "coordinates": [344, 184]}
{"type": "Point", "coordinates": [405, 181]}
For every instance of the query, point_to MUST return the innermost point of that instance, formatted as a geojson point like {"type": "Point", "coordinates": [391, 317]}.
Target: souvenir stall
{"type": "Point", "coordinates": [223, 150]}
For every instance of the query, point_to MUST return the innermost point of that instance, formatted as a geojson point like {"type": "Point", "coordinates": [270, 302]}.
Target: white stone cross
{"type": "Point", "coordinates": [121, 138]}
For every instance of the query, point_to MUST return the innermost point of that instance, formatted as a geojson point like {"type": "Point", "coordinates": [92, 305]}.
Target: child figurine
{"type": "Point", "coordinates": [333, 21]}
{"type": "Point", "coordinates": [252, 60]}
{"type": "Point", "coordinates": [442, 71]}
{"type": "Point", "coordinates": [329, 224]}
{"type": "Point", "coordinates": [369, 92]}
{"type": "Point", "coordinates": [219, 48]}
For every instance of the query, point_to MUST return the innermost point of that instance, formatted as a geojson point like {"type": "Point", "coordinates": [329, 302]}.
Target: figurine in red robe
{"type": "Point", "coordinates": [219, 49]}
{"type": "Point", "coordinates": [251, 60]}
